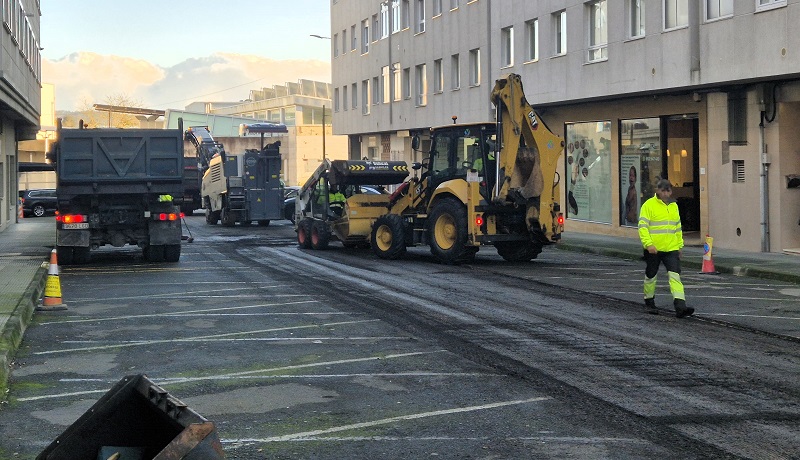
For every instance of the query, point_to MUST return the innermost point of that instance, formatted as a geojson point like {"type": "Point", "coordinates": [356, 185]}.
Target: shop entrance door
{"type": "Point", "coordinates": [682, 167]}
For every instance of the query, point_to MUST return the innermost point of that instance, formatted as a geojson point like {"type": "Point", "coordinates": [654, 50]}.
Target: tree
{"type": "Point", "coordinates": [97, 119]}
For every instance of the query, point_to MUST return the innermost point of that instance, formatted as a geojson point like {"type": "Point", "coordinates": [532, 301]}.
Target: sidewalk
{"type": "Point", "coordinates": [775, 266]}
{"type": "Point", "coordinates": [24, 256]}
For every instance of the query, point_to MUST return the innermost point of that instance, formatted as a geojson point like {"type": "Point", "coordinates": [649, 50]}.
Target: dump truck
{"type": "Point", "coordinates": [244, 187]}
{"type": "Point", "coordinates": [116, 187]}
{"type": "Point", "coordinates": [480, 184]}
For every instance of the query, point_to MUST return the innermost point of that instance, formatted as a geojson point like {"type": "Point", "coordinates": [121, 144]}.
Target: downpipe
{"type": "Point", "coordinates": [764, 184]}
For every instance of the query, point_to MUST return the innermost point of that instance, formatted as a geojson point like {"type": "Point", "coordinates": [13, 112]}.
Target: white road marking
{"type": "Point", "coordinates": [795, 318]}
{"type": "Point", "coordinates": [236, 375]}
{"type": "Point", "coordinates": [175, 295]}
{"type": "Point", "coordinates": [158, 315]}
{"type": "Point", "coordinates": [549, 439]}
{"type": "Point", "coordinates": [386, 421]}
{"type": "Point", "coordinates": [263, 339]}
{"type": "Point", "coordinates": [199, 338]}
{"type": "Point", "coordinates": [167, 380]}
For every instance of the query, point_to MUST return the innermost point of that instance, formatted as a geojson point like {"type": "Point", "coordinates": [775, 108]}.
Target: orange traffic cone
{"type": "Point", "coordinates": [52, 289]}
{"type": "Point", "coordinates": [708, 262]}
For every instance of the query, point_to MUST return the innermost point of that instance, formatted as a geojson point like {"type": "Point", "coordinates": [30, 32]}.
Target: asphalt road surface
{"type": "Point", "coordinates": [338, 355]}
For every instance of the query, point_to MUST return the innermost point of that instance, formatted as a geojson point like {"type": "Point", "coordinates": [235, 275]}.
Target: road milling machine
{"type": "Point", "coordinates": [480, 184]}
{"type": "Point", "coordinates": [244, 187]}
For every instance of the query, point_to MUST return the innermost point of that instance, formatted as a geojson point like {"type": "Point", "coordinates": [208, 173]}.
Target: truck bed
{"type": "Point", "coordinates": [119, 161]}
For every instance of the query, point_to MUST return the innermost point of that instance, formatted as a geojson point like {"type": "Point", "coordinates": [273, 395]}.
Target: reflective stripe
{"type": "Point", "coordinates": [665, 230]}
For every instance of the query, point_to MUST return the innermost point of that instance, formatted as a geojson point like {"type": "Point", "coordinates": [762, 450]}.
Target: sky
{"type": "Point", "coordinates": [168, 53]}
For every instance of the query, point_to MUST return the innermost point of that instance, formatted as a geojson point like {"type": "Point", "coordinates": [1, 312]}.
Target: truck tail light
{"type": "Point", "coordinates": [479, 220]}
{"type": "Point", "coordinates": [164, 216]}
{"type": "Point", "coordinates": [71, 218]}
{"type": "Point", "coordinates": [560, 219]}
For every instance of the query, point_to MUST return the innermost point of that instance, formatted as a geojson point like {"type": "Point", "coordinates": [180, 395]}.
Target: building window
{"type": "Point", "coordinates": [640, 162]}
{"type": "Point", "coordinates": [716, 9]}
{"type": "Point", "coordinates": [405, 10]}
{"type": "Point", "coordinates": [396, 16]}
{"type": "Point", "coordinates": [384, 20]}
{"type": "Point", "coordinates": [676, 14]}
{"type": "Point", "coordinates": [336, 100]}
{"type": "Point", "coordinates": [507, 46]}
{"type": "Point", "coordinates": [453, 4]}
{"type": "Point", "coordinates": [455, 72]}
{"type": "Point", "coordinates": [737, 118]}
{"type": "Point", "coordinates": [365, 97]}
{"type": "Point", "coordinates": [762, 5]}
{"type": "Point", "coordinates": [385, 82]}
{"type": "Point", "coordinates": [419, 12]}
{"type": "Point", "coordinates": [376, 91]}
{"type": "Point", "coordinates": [398, 82]}
{"type": "Point", "coordinates": [365, 36]}
{"type": "Point", "coordinates": [335, 45]}
{"type": "Point", "coordinates": [636, 18]}
{"type": "Point", "coordinates": [532, 40]}
{"type": "Point", "coordinates": [598, 31]}
{"type": "Point", "coordinates": [353, 38]}
{"type": "Point", "coordinates": [437, 7]}
{"type": "Point", "coordinates": [475, 67]}
{"type": "Point", "coordinates": [422, 85]}
{"type": "Point", "coordinates": [438, 76]}
{"type": "Point", "coordinates": [560, 28]}
{"type": "Point", "coordinates": [344, 98]}
{"type": "Point", "coordinates": [407, 83]}
{"type": "Point", "coordinates": [588, 159]}
{"type": "Point", "coordinates": [376, 28]}
{"type": "Point", "coordinates": [354, 91]}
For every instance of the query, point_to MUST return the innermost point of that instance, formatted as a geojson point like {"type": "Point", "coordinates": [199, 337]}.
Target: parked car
{"type": "Point", "coordinates": [39, 202]}
{"type": "Point", "coordinates": [291, 195]}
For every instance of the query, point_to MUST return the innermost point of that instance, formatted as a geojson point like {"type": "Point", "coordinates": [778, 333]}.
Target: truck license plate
{"type": "Point", "coordinates": [80, 226]}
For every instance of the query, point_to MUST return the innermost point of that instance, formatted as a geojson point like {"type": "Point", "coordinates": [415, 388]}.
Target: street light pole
{"type": "Point", "coordinates": [323, 133]}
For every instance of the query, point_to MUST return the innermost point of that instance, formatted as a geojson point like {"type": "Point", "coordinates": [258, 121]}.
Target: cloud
{"type": "Point", "coordinates": [91, 77]}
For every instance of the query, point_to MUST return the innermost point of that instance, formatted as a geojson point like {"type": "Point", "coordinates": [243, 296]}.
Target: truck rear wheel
{"type": "Point", "coordinates": [388, 237]}
{"type": "Point", "coordinates": [80, 255]}
{"type": "Point", "coordinates": [304, 234]}
{"type": "Point", "coordinates": [153, 253]}
{"type": "Point", "coordinates": [447, 230]}
{"type": "Point", "coordinates": [517, 251]}
{"type": "Point", "coordinates": [65, 255]}
{"type": "Point", "coordinates": [320, 234]}
{"type": "Point", "coordinates": [212, 217]}
{"type": "Point", "coordinates": [172, 252]}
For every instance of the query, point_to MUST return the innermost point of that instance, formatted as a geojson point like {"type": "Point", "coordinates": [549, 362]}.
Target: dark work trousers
{"type": "Point", "coordinates": [672, 263]}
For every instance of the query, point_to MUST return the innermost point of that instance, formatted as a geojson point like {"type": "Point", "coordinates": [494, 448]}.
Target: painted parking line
{"type": "Point", "coordinates": [416, 374]}
{"type": "Point", "coordinates": [185, 312]}
{"type": "Point", "coordinates": [385, 421]}
{"type": "Point", "coordinates": [237, 375]}
{"type": "Point", "coordinates": [189, 295]}
{"type": "Point", "coordinates": [201, 338]}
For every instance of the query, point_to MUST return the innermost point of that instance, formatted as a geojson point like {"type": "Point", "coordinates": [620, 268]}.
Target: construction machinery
{"type": "Point", "coordinates": [480, 184]}
{"type": "Point", "coordinates": [244, 187]}
{"type": "Point", "coordinates": [116, 187]}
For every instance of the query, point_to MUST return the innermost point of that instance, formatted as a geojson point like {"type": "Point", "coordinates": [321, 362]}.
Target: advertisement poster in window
{"type": "Point", "coordinates": [589, 169]}
{"type": "Point", "coordinates": [630, 172]}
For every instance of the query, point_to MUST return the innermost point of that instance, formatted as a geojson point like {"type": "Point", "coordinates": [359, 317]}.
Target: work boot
{"type": "Point", "coordinates": [681, 310]}
{"type": "Point", "coordinates": [650, 306]}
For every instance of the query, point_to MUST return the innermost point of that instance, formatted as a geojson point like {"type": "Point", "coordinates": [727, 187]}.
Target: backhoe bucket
{"type": "Point", "coordinates": [138, 420]}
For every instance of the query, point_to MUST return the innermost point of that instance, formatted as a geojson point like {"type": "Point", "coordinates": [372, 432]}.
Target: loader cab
{"type": "Point", "coordinates": [463, 152]}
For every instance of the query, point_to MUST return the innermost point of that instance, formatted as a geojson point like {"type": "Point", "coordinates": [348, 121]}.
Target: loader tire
{"type": "Point", "coordinates": [447, 231]}
{"type": "Point", "coordinates": [388, 237]}
{"type": "Point", "coordinates": [320, 234]}
{"type": "Point", "coordinates": [516, 251]}
{"type": "Point", "coordinates": [304, 233]}
{"type": "Point", "coordinates": [227, 217]}
{"type": "Point", "coordinates": [212, 217]}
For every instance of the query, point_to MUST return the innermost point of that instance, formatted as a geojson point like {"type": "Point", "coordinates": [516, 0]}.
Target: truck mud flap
{"type": "Point", "coordinates": [139, 420]}
{"type": "Point", "coordinates": [166, 232]}
{"type": "Point", "coordinates": [79, 238]}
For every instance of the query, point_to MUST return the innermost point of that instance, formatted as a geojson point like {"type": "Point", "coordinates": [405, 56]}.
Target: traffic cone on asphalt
{"type": "Point", "coordinates": [708, 262]}
{"type": "Point", "coordinates": [52, 289]}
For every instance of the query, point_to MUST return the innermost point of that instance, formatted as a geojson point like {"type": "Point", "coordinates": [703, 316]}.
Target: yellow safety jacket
{"type": "Point", "coordinates": [660, 225]}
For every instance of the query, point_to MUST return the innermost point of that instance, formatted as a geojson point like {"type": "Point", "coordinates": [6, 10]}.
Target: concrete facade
{"type": "Point", "coordinates": [20, 93]}
{"type": "Point", "coordinates": [680, 94]}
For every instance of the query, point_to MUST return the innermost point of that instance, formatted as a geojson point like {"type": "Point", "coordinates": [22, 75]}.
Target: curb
{"type": "Point", "coordinates": [11, 335]}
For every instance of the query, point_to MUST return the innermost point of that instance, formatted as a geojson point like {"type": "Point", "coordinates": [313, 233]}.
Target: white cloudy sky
{"type": "Point", "coordinates": [169, 53]}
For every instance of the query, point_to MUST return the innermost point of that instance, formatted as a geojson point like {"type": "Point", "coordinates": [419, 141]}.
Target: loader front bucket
{"type": "Point", "coordinates": [138, 420]}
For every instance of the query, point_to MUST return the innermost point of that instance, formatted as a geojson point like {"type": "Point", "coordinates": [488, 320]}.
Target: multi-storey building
{"type": "Point", "coordinates": [20, 93]}
{"type": "Point", "coordinates": [704, 93]}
